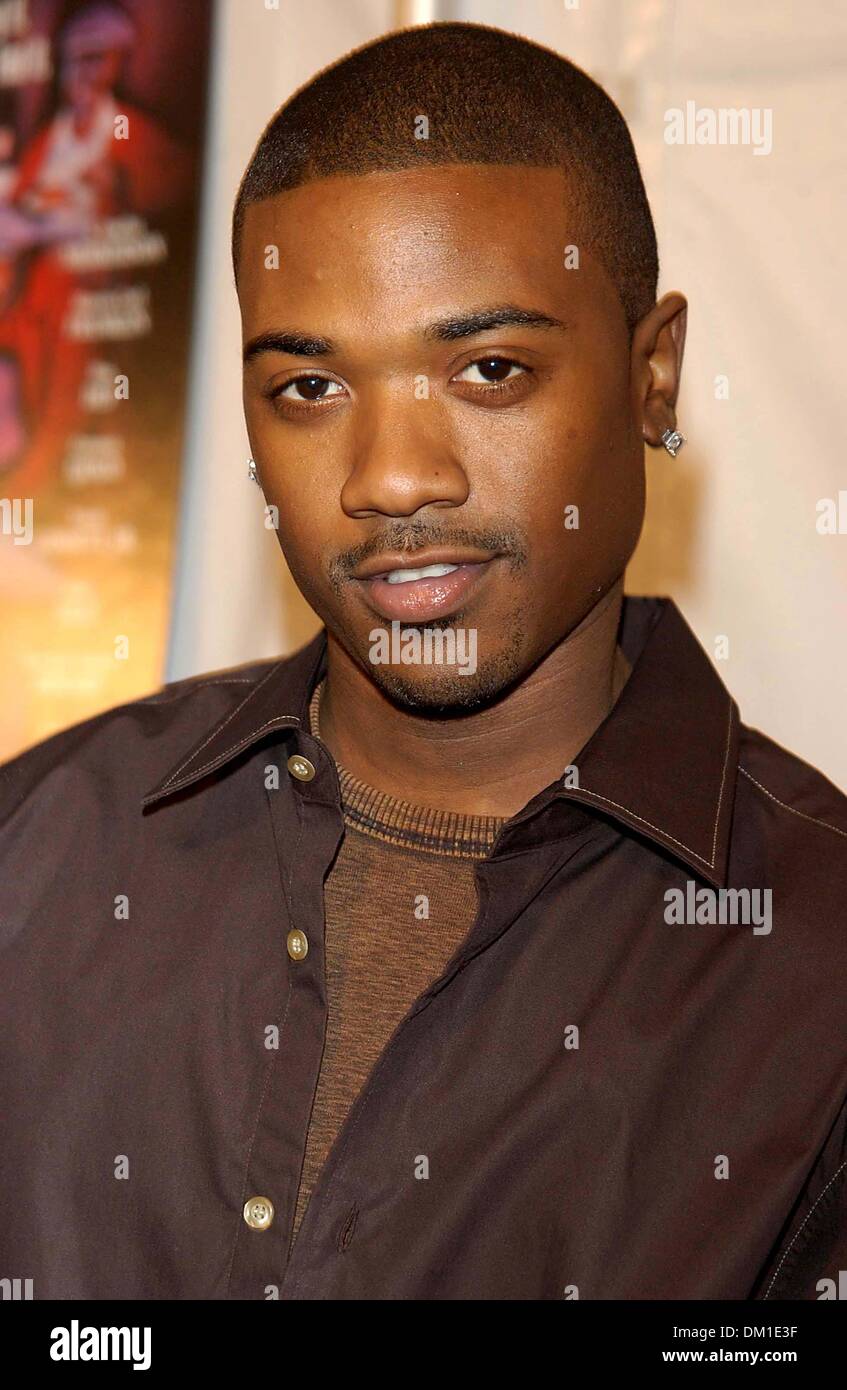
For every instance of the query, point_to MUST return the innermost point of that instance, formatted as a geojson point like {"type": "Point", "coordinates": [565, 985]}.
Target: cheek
{"type": "Point", "coordinates": [311, 527]}
{"type": "Point", "coordinates": [303, 517]}
{"type": "Point", "coordinates": [303, 533]}
{"type": "Point", "coordinates": [293, 473]}
{"type": "Point", "coordinates": [595, 512]}
{"type": "Point", "coordinates": [574, 478]}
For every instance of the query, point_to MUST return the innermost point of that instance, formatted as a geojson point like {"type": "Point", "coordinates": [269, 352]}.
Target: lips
{"type": "Point", "coordinates": [430, 596]}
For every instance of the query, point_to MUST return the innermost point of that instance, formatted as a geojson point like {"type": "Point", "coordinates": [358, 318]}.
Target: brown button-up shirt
{"type": "Point", "coordinates": [626, 1082]}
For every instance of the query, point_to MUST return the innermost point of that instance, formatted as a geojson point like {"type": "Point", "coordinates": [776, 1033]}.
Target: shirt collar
{"type": "Point", "coordinates": [663, 762]}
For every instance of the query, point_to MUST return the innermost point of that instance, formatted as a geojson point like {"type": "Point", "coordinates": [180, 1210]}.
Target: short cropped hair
{"type": "Point", "coordinates": [489, 97]}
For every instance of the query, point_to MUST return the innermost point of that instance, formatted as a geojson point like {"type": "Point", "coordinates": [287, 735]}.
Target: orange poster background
{"type": "Point", "coordinates": [102, 115]}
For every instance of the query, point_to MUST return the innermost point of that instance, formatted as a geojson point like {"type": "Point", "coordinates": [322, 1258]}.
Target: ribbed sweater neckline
{"type": "Point", "coordinates": [389, 818]}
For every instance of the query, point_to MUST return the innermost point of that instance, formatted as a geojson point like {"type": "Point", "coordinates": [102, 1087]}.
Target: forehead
{"type": "Point", "coordinates": [384, 245]}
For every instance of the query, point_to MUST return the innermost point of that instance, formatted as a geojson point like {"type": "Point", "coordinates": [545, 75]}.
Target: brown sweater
{"type": "Point", "coordinates": [398, 901]}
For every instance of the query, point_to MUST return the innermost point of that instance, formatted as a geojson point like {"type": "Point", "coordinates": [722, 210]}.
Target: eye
{"type": "Point", "coordinates": [309, 388]}
{"type": "Point", "coordinates": [493, 371]}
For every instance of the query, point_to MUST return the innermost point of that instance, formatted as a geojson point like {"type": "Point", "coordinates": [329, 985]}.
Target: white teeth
{"type": "Point", "coordinates": [428, 572]}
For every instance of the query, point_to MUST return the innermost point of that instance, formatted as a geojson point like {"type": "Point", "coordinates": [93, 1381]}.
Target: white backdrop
{"type": "Point", "coordinates": [755, 242]}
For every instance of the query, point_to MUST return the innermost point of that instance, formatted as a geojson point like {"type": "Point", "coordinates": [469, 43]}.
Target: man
{"type": "Point", "coordinates": [477, 950]}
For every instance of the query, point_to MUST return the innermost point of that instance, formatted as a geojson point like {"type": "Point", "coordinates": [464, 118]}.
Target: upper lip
{"type": "Point", "coordinates": [402, 560]}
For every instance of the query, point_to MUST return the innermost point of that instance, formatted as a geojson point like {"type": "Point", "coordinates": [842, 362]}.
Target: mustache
{"type": "Point", "coordinates": [499, 538]}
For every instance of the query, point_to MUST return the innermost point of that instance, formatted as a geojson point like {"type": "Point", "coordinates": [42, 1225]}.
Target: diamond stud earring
{"type": "Point", "coordinates": [673, 441]}
{"type": "Point", "coordinates": [251, 471]}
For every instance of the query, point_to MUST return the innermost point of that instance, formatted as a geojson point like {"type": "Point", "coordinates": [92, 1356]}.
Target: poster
{"type": "Point", "coordinates": [102, 120]}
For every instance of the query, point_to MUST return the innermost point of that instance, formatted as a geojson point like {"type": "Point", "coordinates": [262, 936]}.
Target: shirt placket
{"type": "Point", "coordinates": [304, 809]}
{"type": "Point", "coordinates": [328, 1230]}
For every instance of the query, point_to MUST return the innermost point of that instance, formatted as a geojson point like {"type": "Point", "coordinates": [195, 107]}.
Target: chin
{"type": "Point", "coordinates": [442, 692]}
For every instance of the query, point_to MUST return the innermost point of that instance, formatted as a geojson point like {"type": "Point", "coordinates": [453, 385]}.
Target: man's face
{"type": "Point", "coordinates": [512, 452]}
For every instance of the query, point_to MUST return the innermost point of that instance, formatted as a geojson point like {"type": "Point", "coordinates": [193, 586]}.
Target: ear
{"type": "Point", "coordinates": [657, 347]}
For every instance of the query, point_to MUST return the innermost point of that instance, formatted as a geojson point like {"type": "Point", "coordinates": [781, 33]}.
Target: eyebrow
{"type": "Point", "coordinates": [501, 316]}
{"type": "Point", "coordinates": [294, 344]}
{"type": "Point", "coordinates": [445, 330]}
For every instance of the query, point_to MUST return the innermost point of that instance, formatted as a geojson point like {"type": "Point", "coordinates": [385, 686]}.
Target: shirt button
{"type": "Point", "coordinates": [258, 1213]}
{"type": "Point", "coordinates": [297, 943]}
{"type": "Point", "coordinates": [301, 768]}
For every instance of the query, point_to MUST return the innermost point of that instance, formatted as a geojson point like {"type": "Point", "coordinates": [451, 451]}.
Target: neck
{"type": "Point", "coordinates": [493, 761]}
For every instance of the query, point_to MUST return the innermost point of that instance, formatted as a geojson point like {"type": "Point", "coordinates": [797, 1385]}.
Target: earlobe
{"type": "Point", "coordinates": [661, 342]}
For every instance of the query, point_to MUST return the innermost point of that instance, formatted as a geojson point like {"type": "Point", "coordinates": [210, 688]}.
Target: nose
{"type": "Point", "coordinates": [403, 458]}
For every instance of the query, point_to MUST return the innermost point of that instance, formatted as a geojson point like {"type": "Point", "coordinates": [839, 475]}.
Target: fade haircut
{"type": "Point", "coordinates": [489, 97]}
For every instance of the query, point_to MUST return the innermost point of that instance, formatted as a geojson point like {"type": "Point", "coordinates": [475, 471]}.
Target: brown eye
{"type": "Point", "coordinates": [308, 388]}
{"type": "Point", "coordinates": [494, 368]}
{"type": "Point", "coordinates": [312, 388]}
{"type": "Point", "coordinates": [492, 371]}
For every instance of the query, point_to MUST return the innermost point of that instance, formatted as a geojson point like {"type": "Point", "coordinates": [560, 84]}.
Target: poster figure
{"type": "Point", "coordinates": [97, 156]}
{"type": "Point", "coordinates": [100, 155]}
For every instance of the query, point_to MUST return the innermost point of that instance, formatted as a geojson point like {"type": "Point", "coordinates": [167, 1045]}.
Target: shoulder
{"type": "Point", "coordinates": [799, 798]}
{"type": "Point", "coordinates": [128, 747]}
{"type": "Point", "coordinates": [790, 827]}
